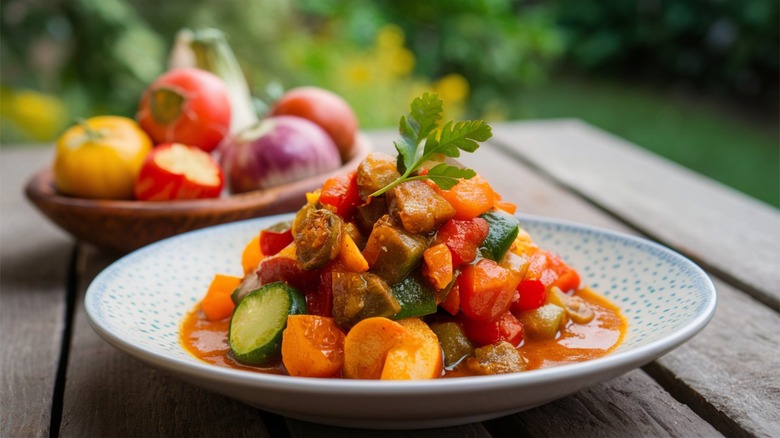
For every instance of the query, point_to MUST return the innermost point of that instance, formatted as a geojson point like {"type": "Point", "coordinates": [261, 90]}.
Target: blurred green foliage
{"type": "Point", "coordinates": [727, 48]}
{"type": "Point", "coordinates": [492, 59]}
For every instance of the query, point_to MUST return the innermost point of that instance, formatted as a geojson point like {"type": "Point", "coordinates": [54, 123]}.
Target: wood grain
{"type": "Point", "coordinates": [631, 405]}
{"type": "Point", "coordinates": [730, 233]}
{"type": "Point", "coordinates": [33, 275]}
{"type": "Point", "coordinates": [108, 393]}
{"type": "Point", "coordinates": [729, 371]}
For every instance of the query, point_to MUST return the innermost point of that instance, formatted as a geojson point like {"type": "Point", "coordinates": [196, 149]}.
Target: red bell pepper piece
{"type": "Point", "coordinates": [505, 328]}
{"type": "Point", "coordinates": [463, 237]}
{"type": "Point", "coordinates": [486, 290]}
{"type": "Point", "coordinates": [531, 295]}
{"type": "Point", "coordinates": [273, 241]}
{"type": "Point", "coordinates": [342, 193]}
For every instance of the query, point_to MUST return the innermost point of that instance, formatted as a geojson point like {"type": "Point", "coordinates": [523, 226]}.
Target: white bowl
{"type": "Point", "coordinates": [138, 304]}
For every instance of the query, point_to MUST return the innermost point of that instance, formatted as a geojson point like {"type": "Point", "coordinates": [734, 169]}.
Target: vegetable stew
{"type": "Point", "coordinates": [407, 268]}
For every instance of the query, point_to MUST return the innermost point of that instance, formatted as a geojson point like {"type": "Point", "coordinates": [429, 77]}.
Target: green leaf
{"type": "Point", "coordinates": [446, 176]}
{"type": "Point", "coordinates": [419, 124]}
{"type": "Point", "coordinates": [461, 135]}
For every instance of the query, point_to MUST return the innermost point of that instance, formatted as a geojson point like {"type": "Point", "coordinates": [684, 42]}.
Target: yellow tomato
{"type": "Point", "coordinates": [100, 158]}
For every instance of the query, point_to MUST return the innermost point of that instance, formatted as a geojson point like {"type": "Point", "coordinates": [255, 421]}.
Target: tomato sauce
{"type": "Point", "coordinates": [207, 340]}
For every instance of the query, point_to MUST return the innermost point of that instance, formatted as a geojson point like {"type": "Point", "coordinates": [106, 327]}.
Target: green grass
{"type": "Point", "coordinates": [730, 148]}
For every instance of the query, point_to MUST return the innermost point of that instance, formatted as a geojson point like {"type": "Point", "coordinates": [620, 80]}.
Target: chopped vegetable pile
{"type": "Point", "coordinates": [407, 268]}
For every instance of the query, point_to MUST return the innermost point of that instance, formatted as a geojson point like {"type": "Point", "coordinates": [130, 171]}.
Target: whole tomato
{"type": "Point", "coordinates": [324, 108]}
{"type": "Point", "coordinates": [174, 171]}
{"type": "Point", "coordinates": [186, 105]}
{"type": "Point", "coordinates": [100, 158]}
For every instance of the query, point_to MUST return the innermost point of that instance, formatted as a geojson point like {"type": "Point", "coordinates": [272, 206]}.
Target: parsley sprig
{"type": "Point", "coordinates": [421, 124]}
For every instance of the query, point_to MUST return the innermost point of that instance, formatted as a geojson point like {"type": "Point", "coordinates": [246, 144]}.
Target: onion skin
{"type": "Point", "coordinates": [276, 151]}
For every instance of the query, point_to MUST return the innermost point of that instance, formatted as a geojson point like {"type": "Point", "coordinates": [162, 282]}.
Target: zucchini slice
{"type": "Point", "coordinates": [255, 335]}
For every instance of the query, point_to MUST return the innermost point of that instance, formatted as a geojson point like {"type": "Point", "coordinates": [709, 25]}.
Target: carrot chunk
{"type": "Point", "coordinates": [417, 357]}
{"type": "Point", "coordinates": [252, 255]}
{"type": "Point", "coordinates": [437, 265]}
{"type": "Point", "coordinates": [312, 346]}
{"type": "Point", "coordinates": [366, 346]}
{"type": "Point", "coordinates": [470, 197]}
{"type": "Point", "coordinates": [217, 304]}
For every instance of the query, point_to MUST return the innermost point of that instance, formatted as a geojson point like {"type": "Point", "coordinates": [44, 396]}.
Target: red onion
{"type": "Point", "coordinates": [276, 151]}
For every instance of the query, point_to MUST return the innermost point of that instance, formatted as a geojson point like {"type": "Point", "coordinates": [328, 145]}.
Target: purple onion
{"type": "Point", "coordinates": [276, 151]}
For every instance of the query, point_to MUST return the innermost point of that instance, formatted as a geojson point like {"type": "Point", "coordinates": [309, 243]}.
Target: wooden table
{"type": "Point", "coordinates": [59, 378]}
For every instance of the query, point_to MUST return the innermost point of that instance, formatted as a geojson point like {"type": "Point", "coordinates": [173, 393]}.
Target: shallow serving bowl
{"type": "Point", "coordinates": [138, 304]}
{"type": "Point", "coordinates": [127, 225]}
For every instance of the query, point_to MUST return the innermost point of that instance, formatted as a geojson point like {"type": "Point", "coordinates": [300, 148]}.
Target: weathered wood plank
{"type": "Point", "coordinates": [310, 430]}
{"type": "Point", "coordinates": [732, 234]}
{"type": "Point", "coordinates": [33, 274]}
{"type": "Point", "coordinates": [730, 366]}
{"type": "Point", "coordinates": [631, 405]}
{"type": "Point", "coordinates": [108, 393]}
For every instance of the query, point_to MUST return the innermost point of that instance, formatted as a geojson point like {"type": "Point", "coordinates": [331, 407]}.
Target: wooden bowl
{"type": "Point", "coordinates": [123, 226]}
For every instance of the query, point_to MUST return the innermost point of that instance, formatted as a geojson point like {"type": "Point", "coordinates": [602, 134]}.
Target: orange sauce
{"type": "Point", "coordinates": [207, 340]}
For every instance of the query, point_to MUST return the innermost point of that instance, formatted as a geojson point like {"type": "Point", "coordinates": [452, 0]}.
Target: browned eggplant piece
{"type": "Point", "coordinates": [500, 358]}
{"type": "Point", "coordinates": [318, 238]}
{"type": "Point", "coordinates": [374, 172]}
{"type": "Point", "coordinates": [392, 252]}
{"type": "Point", "coordinates": [360, 296]}
{"type": "Point", "coordinates": [418, 207]}
{"type": "Point", "coordinates": [367, 214]}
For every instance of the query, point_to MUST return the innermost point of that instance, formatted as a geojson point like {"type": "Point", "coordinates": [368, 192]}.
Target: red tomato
{"type": "Point", "coordinates": [532, 294]}
{"type": "Point", "coordinates": [505, 328]}
{"type": "Point", "coordinates": [463, 237]}
{"type": "Point", "coordinates": [186, 105]}
{"type": "Point", "coordinates": [175, 171]}
{"type": "Point", "coordinates": [273, 241]}
{"type": "Point", "coordinates": [324, 108]}
{"type": "Point", "coordinates": [342, 193]}
{"type": "Point", "coordinates": [486, 290]}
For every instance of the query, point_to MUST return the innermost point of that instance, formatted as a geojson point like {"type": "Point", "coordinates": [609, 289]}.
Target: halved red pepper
{"type": "Point", "coordinates": [486, 290]}
{"type": "Point", "coordinates": [342, 193]}
{"type": "Point", "coordinates": [463, 237]}
{"type": "Point", "coordinates": [505, 328]}
{"type": "Point", "coordinates": [174, 171]}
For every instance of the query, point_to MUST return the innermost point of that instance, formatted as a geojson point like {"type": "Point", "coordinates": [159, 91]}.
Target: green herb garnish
{"type": "Point", "coordinates": [421, 124]}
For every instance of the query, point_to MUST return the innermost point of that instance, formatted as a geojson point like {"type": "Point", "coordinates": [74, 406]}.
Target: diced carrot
{"type": "Point", "coordinates": [470, 197]}
{"type": "Point", "coordinates": [366, 346]}
{"type": "Point", "coordinates": [350, 255]}
{"type": "Point", "coordinates": [506, 206]}
{"type": "Point", "coordinates": [217, 304]}
{"type": "Point", "coordinates": [252, 255]}
{"type": "Point", "coordinates": [312, 346]}
{"type": "Point", "coordinates": [417, 357]}
{"type": "Point", "coordinates": [437, 265]}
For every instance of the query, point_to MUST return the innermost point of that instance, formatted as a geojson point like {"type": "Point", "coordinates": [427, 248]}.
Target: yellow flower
{"type": "Point", "coordinates": [390, 36]}
{"type": "Point", "coordinates": [358, 72]}
{"type": "Point", "coordinates": [40, 116]}
{"type": "Point", "coordinates": [452, 88]}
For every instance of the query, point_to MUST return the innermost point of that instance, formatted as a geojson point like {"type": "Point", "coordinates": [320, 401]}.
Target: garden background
{"type": "Point", "coordinates": [695, 81]}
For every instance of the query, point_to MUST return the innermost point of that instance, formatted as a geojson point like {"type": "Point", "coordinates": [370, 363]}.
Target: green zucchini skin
{"type": "Point", "coordinates": [255, 334]}
{"type": "Point", "coordinates": [503, 230]}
